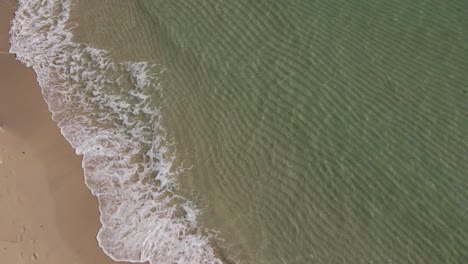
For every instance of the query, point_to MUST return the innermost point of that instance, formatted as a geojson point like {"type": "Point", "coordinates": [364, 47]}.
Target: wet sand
{"type": "Point", "coordinates": [47, 213]}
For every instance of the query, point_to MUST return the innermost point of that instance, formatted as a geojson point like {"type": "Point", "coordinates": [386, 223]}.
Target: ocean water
{"type": "Point", "coordinates": [263, 131]}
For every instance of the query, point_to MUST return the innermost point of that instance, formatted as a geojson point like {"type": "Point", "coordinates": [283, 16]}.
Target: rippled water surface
{"type": "Point", "coordinates": [312, 131]}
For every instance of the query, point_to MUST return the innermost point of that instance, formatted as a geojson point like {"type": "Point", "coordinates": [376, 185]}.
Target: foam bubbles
{"type": "Point", "coordinates": [108, 113]}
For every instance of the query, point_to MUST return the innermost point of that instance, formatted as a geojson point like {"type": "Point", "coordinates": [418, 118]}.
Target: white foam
{"type": "Point", "coordinates": [107, 112]}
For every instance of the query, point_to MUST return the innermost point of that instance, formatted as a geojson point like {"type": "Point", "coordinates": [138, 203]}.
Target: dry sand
{"type": "Point", "coordinates": [47, 215]}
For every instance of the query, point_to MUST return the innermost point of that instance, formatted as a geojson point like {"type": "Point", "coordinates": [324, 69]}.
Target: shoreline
{"type": "Point", "coordinates": [48, 213]}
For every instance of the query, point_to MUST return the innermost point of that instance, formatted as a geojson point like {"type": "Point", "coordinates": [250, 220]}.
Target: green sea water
{"type": "Point", "coordinates": [312, 131]}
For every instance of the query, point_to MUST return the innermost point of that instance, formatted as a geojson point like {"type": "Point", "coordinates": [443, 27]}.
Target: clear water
{"type": "Point", "coordinates": [304, 131]}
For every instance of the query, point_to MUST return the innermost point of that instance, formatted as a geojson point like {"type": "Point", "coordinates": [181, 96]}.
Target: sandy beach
{"type": "Point", "coordinates": [47, 213]}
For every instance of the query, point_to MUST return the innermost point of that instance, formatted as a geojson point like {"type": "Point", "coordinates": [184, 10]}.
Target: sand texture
{"type": "Point", "coordinates": [47, 213]}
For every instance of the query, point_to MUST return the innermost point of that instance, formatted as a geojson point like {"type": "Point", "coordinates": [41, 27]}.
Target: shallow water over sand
{"type": "Point", "coordinates": [308, 132]}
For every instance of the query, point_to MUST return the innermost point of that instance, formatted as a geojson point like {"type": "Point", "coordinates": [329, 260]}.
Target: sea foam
{"type": "Point", "coordinates": [109, 113]}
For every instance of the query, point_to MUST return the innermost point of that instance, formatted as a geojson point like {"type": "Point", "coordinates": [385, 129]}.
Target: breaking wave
{"type": "Point", "coordinates": [109, 112]}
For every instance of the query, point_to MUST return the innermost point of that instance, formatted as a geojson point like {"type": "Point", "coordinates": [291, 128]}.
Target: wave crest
{"type": "Point", "coordinates": [109, 114]}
